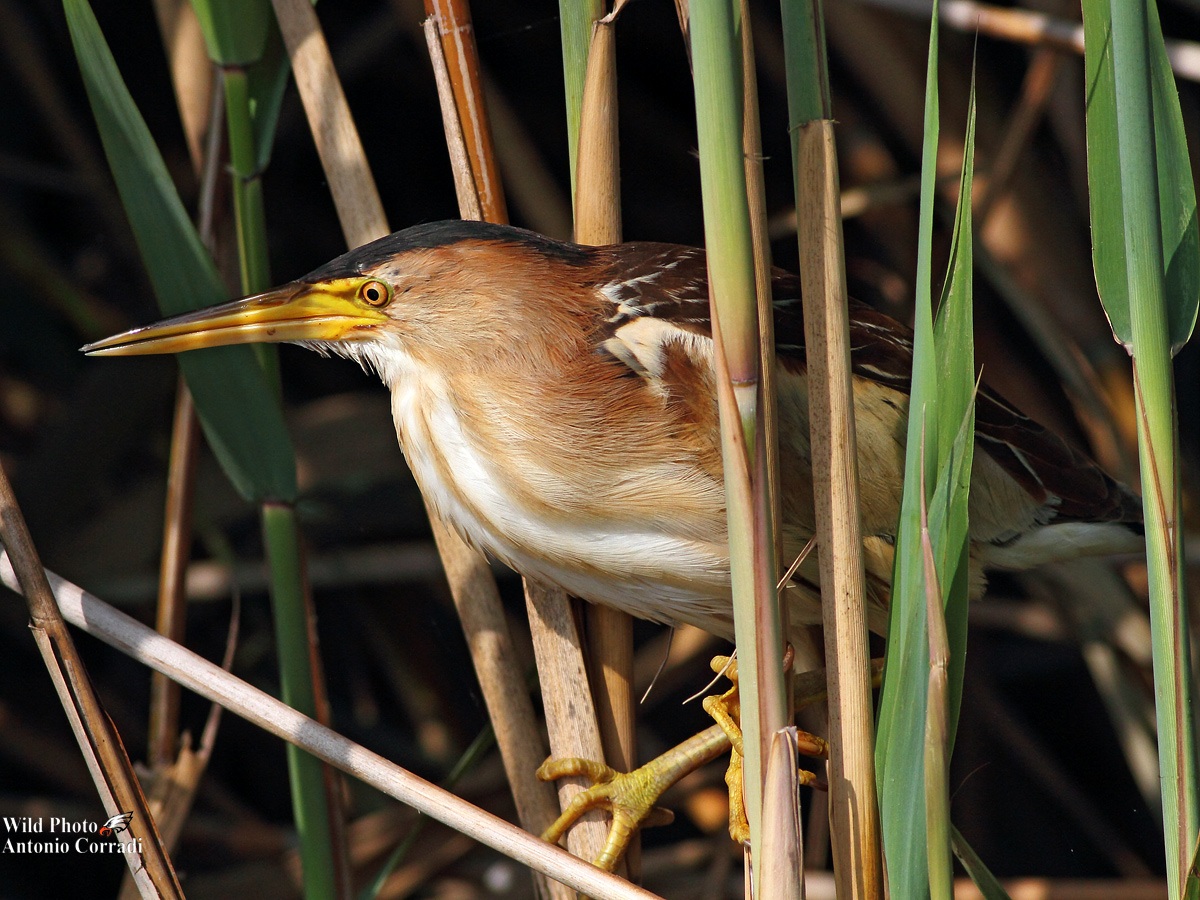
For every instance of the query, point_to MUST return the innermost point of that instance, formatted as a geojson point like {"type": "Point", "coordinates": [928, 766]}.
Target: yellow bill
{"type": "Point", "coordinates": [332, 311]}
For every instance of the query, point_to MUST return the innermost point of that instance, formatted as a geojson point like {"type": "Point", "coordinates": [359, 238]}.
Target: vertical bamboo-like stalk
{"type": "Point", "coordinates": [781, 853]}
{"type": "Point", "coordinates": [476, 597]}
{"type": "Point", "coordinates": [575, 19]}
{"type": "Point", "coordinates": [338, 144]}
{"type": "Point", "coordinates": [177, 538]}
{"type": "Point", "coordinates": [756, 198]}
{"type": "Point", "coordinates": [570, 711]}
{"type": "Point", "coordinates": [854, 823]}
{"type": "Point", "coordinates": [1158, 438]}
{"type": "Point", "coordinates": [457, 35]}
{"type": "Point", "coordinates": [313, 802]}
{"type": "Point", "coordinates": [598, 166]}
{"type": "Point", "coordinates": [716, 50]}
{"type": "Point", "coordinates": [598, 221]}
{"type": "Point", "coordinates": [1146, 260]}
{"type": "Point", "coordinates": [466, 191]}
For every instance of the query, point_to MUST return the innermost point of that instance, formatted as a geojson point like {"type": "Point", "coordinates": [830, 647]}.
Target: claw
{"type": "Point", "coordinates": [628, 797]}
{"type": "Point", "coordinates": [726, 711]}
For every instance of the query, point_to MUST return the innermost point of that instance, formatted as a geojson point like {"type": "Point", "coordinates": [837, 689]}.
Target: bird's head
{"type": "Point", "coordinates": [426, 294]}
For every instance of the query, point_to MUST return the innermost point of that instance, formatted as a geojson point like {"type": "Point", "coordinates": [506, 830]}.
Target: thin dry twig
{"type": "Point", "coordinates": [457, 34]}
{"type": "Point", "coordinates": [465, 188]}
{"type": "Point", "coordinates": [102, 749]}
{"type": "Point", "coordinates": [1023, 26]}
{"type": "Point", "coordinates": [259, 708]}
{"type": "Point", "coordinates": [176, 781]}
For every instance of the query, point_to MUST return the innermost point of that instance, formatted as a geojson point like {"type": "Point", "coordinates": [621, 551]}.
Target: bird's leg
{"type": "Point", "coordinates": [630, 797]}
{"type": "Point", "coordinates": [726, 710]}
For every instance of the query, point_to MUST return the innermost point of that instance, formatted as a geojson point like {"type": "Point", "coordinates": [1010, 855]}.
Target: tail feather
{"type": "Point", "coordinates": [1060, 541]}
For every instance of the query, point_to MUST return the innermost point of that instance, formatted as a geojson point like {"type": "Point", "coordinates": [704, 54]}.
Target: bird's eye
{"type": "Point", "coordinates": [375, 293]}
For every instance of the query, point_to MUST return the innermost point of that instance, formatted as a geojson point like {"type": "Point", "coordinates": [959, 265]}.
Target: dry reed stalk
{"type": "Point", "coordinates": [212, 682]}
{"type": "Point", "coordinates": [466, 190]}
{"type": "Point", "coordinates": [756, 197]}
{"type": "Point", "coordinates": [171, 614]}
{"type": "Point", "coordinates": [598, 165]}
{"type": "Point", "coordinates": [457, 35]}
{"type": "Point", "coordinates": [598, 221]}
{"type": "Point", "coordinates": [505, 694]}
{"type": "Point", "coordinates": [472, 585]}
{"type": "Point", "coordinates": [570, 714]}
{"type": "Point", "coordinates": [781, 853]}
{"type": "Point", "coordinates": [99, 742]}
{"type": "Point", "coordinates": [783, 848]}
{"type": "Point", "coordinates": [191, 72]}
{"type": "Point", "coordinates": [570, 710]}
{"type": "Point", "coordinates": [343, 159]}
{"type": "Point", "coordinates": [853, 804]}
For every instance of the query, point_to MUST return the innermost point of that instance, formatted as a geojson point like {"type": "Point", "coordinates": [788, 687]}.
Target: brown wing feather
{"type": "Point", "coordinates": [1049, 468]}
{"type": "Point", "coordinates": [671, 282]}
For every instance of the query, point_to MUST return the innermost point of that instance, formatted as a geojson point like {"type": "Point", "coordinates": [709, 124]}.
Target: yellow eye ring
{"type": "Point", "coordinates": [374, 293]}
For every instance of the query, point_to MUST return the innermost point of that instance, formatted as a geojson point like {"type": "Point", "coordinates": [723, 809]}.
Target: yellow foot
{"type": "Point", "coordinates": [629, 797]}
{"type": "Point", "coordinates": [726, 711]}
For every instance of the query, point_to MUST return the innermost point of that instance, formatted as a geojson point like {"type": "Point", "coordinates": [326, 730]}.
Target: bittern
{"type": "Point", "coordinates": [557, 406]}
